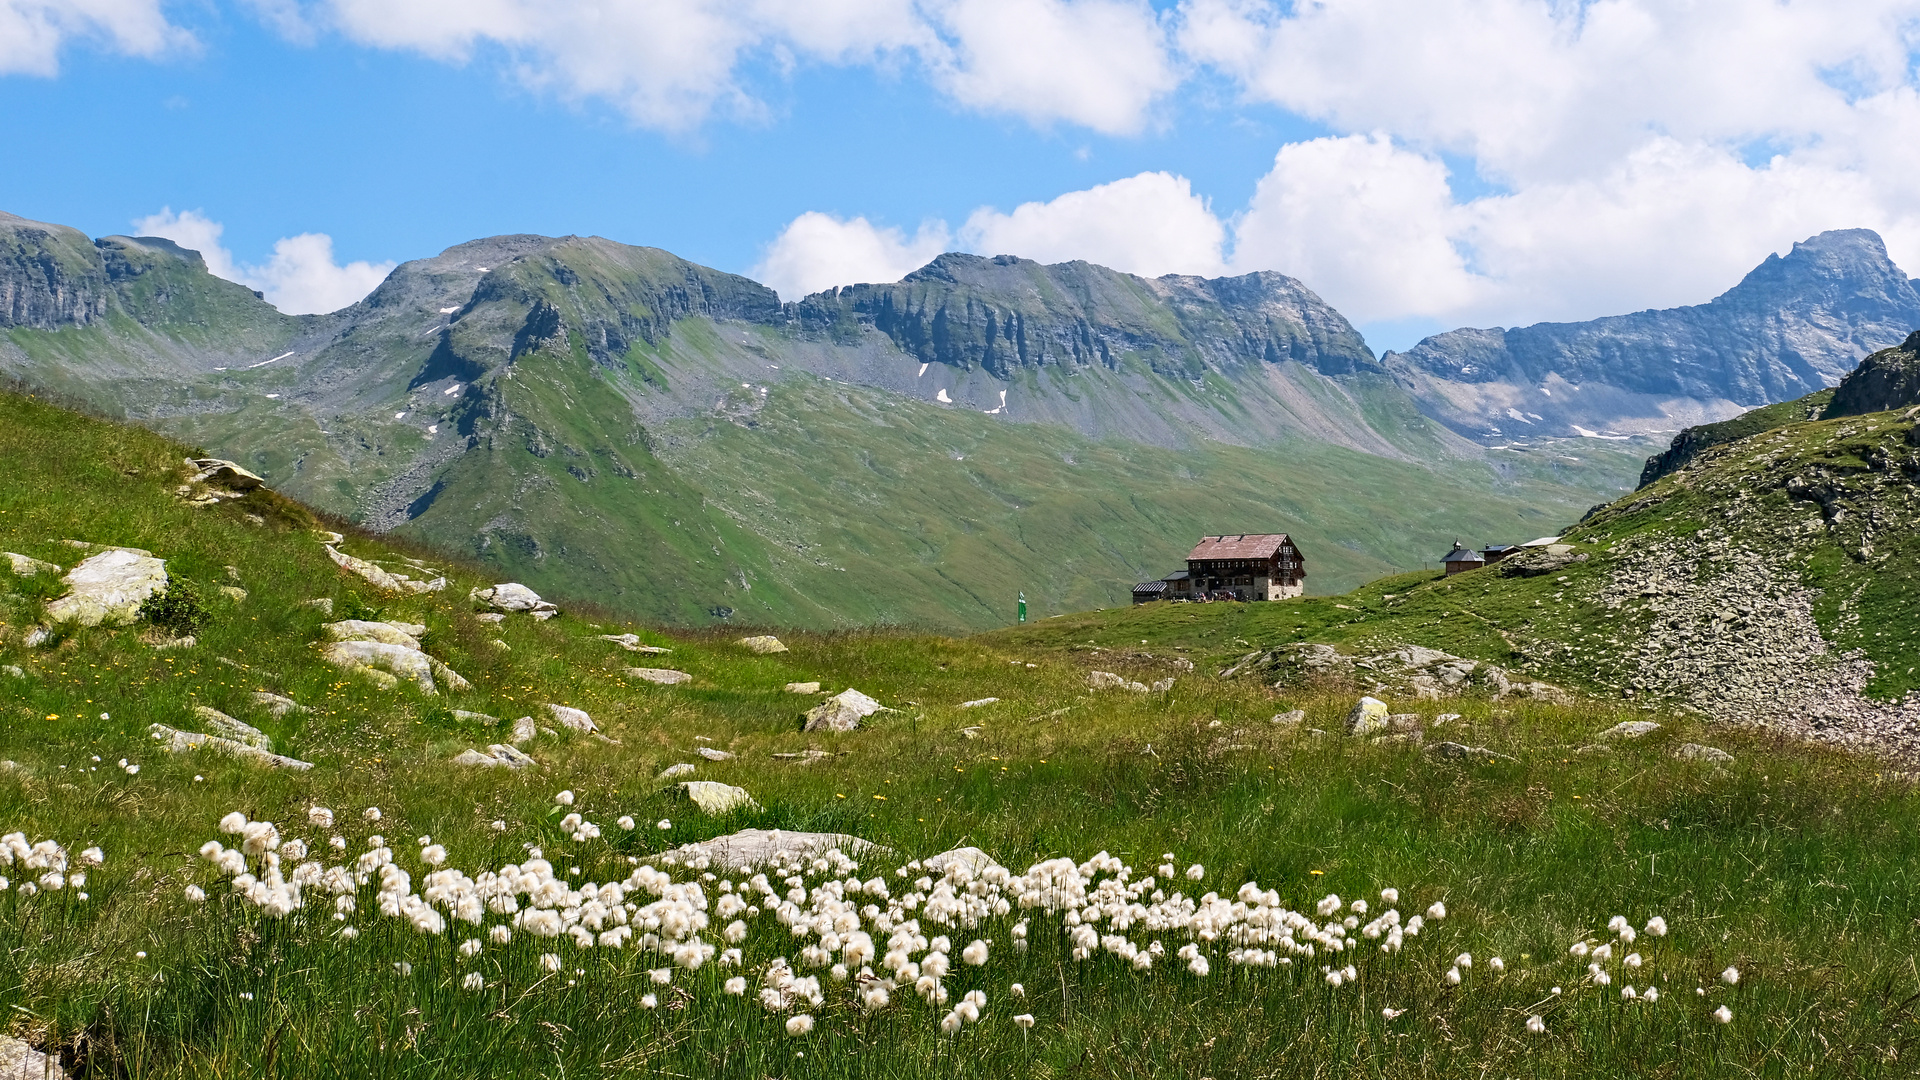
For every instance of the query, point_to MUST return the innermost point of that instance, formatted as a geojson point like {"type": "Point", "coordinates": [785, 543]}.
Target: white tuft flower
{"type": "Point", "coordinates": [348, 933]}
{"type": "Point", "coordinates": [1731, 976]}
{"type": "Point", "coordinates": [371, 813]}
{"type": "Point", "coordinates": [1536, 1025]}
{"type": "Point", "coordinates": [133, 770]}
{"type": "Point", "coordinates": [1580, 949]}
{"type": "Point", "coordinates": [470, 948]}
{"type": "Point", "coordinates": [433, 854]}
{"type": "Point", "coordinates": [663, 824]}
{"type": "Point", "coordinates": [1464, 960]}
{"type": "Point", "coordinates": [950, 1023]}
{"type": "Point", "coordinates": [550, 961]}
{"type": "Point", "coordinates": [1496, 965]}
{"type": "Point", "coordinates": [661, 976]}
{"type": "Point", "coordinates": [1391, 1013]}
{"type": "Point", "coordinates": [735, 986]}
{"type": "Point", "coordinates": [403, 967]}
{"type": "Point", "coordinates": [233, 823]}
{"type": "Point", "coordinates": [1389, 897]}
{"type": "Point", "coordinates": [648, 1001]}
{"type": "Point", "coordinates": [1627, 993]}
{"type": "Point", "coordinates": [338, 843]}
{"type": "Point", "coordinates": [975, 954]}
{"type": "Point", "coordinates": [1632, 960]}
{"type": "Point", "coordinates": [799, 1024]}
{"type": "Point", "coordinates": [1017, 990]}
{"type": "Point", "coordinates": [1023, 1021]}
{"type": "Point", "coordinates": [499, 826]}
{"type": "Point", "coordinates": [93, 856]}
{"type": "Point", "coordinates": [1453, 976]}
{"type": "Point", "coordinates": [1657, 926]}
{"type": "Point", "coordinates": [473, 981]}
{"type": "Point", "coordinates": [1437, 912]}
{"type": "Point", "coordinates": [500, 935]}
{"type": "Point", "coordinates": [626, 822]}
{"type": "Point", "coordinates": [320, 817]}
{"type": "Point", "coordinates": [1651, 995]}
{"type": "Point", "coordinates": [1723, 1014]}
{"type": "Point", "coordinates": [1196, 872]}
{"type": "Point", "coordinates": [196, 894]}
{"type": "Point", "coordinates": [565, 798]}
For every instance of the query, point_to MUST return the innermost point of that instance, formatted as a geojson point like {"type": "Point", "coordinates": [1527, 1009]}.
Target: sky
{"type": "Point", "coordinates": [1421, 164]}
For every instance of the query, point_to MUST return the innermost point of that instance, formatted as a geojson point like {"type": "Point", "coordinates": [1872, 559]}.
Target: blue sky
{"type": "Point", "coordinates": [1421, 167]}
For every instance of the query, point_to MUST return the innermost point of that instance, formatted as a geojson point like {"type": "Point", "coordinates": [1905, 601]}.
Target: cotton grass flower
{"type": "Point", "coordinates": [1536, 1026]}
{"type": "Point", "coordinates": [1650, 995]}
{"type": "Point", "coordinates": [1657, 926]}
{"type": "Point", "coordinates": [320, 817]}
{"type": "Point", "coordinates": [1453, 976]}
{"type": "Point", "coordinates": [1389, 897]}
{"type": "Point", "coordinates": [1731, 976]}
{"type": "Point", "coordinates": [663, 824]}
{"type": "Point", "coordinates": [1017, 990]}
{"type": "Point", "coordinates": [371, 813]}
{"type": "Point", "coordinates": [1437, 911]}
{"type": "Point", "coordinates": [550, 961]}
{"type": "Point", "coordinates": [433, 854]}
{"type": "Point", "coordinates": [1391, 1013]}
{"type": "Point", "coordinates": [1196, 872]}
{"type": "Point", "coordinates": [735, 986]}
{"type": "Point", "coordinates": [196, 894]}
{"type": "Point", "coordinates": [1024, 1021]}
{"type": "Point", "coordinates": [1464, 960]}
{"type": "Point", "coordinates": [473, 981]}
{"type": "Point", "coordinates": [625, 821]}
{"type": "Point", "coordinates": [975, 954]}
{"type": "Point", "coordinates": [500, 935]}
{"type": "Point", "coordinates": [1496, 965]}
{"type": "Point", "coordinates": [1723, 1014]}
{"type": "Point", "coordinates": [470, 948]}
{"type": "Point", "coordinates": [799, 1024]}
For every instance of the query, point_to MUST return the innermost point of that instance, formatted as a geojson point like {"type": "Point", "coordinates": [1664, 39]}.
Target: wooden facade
{"type": "Point", "coordinates": [1246, 566]}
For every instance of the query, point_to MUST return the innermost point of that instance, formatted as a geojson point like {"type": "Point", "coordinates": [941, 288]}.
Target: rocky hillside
{"type": "Point", "coordinates": [1793, 326]}
{"type": "Point", "coordinates": [594, 417]}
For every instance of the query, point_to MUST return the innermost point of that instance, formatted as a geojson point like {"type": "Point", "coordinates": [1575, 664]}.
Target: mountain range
{"type": "Point", "coordinates": [618, 422]}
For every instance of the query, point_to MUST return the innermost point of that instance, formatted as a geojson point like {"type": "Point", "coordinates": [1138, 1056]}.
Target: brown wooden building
{"type": "Point", "coordinates": [1247, 566]}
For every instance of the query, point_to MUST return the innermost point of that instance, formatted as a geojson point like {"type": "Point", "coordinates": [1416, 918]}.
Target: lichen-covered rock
{"type": "Point", "coordinates": [497, 756]}
{"type": "Point", "coordinates": [109, 588]}
{"type": "Point", "coordinates": [524, 731]}
{"type": "Point", "coordinates": [803, 688]}
{"type": "Point", "coordinates": [276, 704]}
{"type": "Point", "coordinates": [1696, 752]}
{"type": "Point", "coordinates": [178, 742]}
{"type": "Point", "coordinates": [713, 797]}
{"type": "Point", "coordinates": [1629, 729]}
{"type": "Point", "coordinates": [662, 676]}
{"type": "Point", "coordinates": [407, 635]}
{"type": "Point", "coordinates": [27, 566]}
{"type": "Point", "coordinates": [757, 847]}
{"type": "Point", "coordinates": [20, 1061]}
{"type": "Point", "coordinates": [1453, 751]}
{"type": "Point", "coordinates": [842, 712]}
{"type": "Point", "coordinates": [221, 724]}
{"type": "Point", "coordinates": [1290, 720]}
{"type": "Point", "coordinates": [225, 473]}
{"type": "Point", "coordinates": [1107, 680]}
{"type": "Point", "coordinates": [763, 644]}
{"type": "Point", "coordinates": [513, 596]}
{"type": "Point", "coordinates": [1368, 717]}
{"type": "Point", "coordinates": [573, 719]}
{"type": "Point", "coordinates": [396, 661]}
{"type": "Point", "coordinates": [712, 754]}
{"type": "Point", "coordinates": [684, 768]}
{"type": "Point", "coordinates": [631, 643]}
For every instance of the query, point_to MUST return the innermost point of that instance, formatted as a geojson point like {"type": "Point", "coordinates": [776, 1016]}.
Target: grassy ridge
{"type": "Point", "coordinates": [1794, 865]}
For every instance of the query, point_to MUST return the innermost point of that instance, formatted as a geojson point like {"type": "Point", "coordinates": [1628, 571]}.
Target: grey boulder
{"type": "Point", "coordinates": [109, 588]}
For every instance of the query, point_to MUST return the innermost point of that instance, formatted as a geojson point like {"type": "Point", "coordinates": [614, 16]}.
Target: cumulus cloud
{"type": "Point", "coordinates": [673, 64]}
{"type": "Point", "coordinates": [1150, 224]}
{"type": "Point", "coordinates": [32, 32]}
{"type": "Point", "coordinates": [300, 278]}
{"type": "Point", "coordinates": [1099, 63]}
{"type": "Point", "coordinates": [818, 251]}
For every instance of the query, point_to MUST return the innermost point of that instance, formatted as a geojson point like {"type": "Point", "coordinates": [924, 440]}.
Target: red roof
{"type": "Point", "coordinates": [1244, 546]}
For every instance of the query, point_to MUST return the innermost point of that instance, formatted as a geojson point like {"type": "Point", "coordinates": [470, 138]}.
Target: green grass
{"type": "Point", "coordinates": [1795, 864]}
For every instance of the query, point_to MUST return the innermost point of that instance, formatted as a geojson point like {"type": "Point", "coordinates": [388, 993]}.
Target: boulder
{"type": "Point", "coordinates": [325, 604]}
{"type": "Point", "coordinates": [842, 712]}
{"type": "Point", "coordinates": [663, 676]}
{"type": "Point", "coordinates": [13, 671]}
{"type": "Point", "coordinates": [20, 1061]}
{"type": "Point", "coordinates": [497, 756]}
{"type": "Point", "coordinates": [221, 724]}
{"type": "Point", "coordinates": [1368, 717]}
{"type": "Point", "coordinates": [406, 635]}
{"type": "Point", "coordinates": [225, 473]}
{"type": "Point", "coordinates": [1107, 680]}
{"type": "Point", "coordinates": [1697, 752]}
{"type": "Point", "coordinates": [573, 719]}
{"type": "Point", "coordinates": [109, 588]}
{"type": "Point", "coordinates": [712, 754]}
{"type": "Point", "coordinates": [1289, 721]}
{"type": "Point", "coordinates": [379, 658]}
{"type": "Point", "coordinates": [379, 578]}
{"type": "Point", "coordinates": [763, 644]}
{"type": "Point", "coordinates": [524, 731]}
{"type": "Point", "coordinates": [1161, 686]}
{"type": "Point", "coordinates": [493, 617]}
{"type": "Point", "coordinates": [1629, 729]}
{"type": "Point", "coordinates": [803, 688]}
{"type": "Point", "coordinates": [1445, 718]}
{"type": "Point", "coordinates": [26, 566]}
{"type": "Point", "coordinates": [1453, 751]}
{"type": "Point", "coordinates": [713, 797]}
{"type": "Point", "coordinates": [276, 704]}
{"type": "Point", "coordinates": [513, 596]}
{"type": "Point", "coordinates": [631, 643]}
{"type": "Point", "coordinates": [972, 858]}
{"type": "Point", "coordinates": [749, 848]}
{"type": "Point", "coordinates": [182, 741]}
{"type": "Point", "coordinates": [682, 769]}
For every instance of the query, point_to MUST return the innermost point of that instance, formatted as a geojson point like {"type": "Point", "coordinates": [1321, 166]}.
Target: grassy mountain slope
{"type": "Point", "coordinates": [1792, 864]}
{"type": "Point", "coordinates": [601, 418]}
{"type": "Point", "coordinates": [1770, 580]}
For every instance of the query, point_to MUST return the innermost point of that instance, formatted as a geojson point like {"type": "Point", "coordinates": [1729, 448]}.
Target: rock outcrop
{"type": "Point", "coordinates": [514, 597]}
{"type": "Point", "coordinates": [757, 847]}
{"type": "Point", "coordinates": [388, 652]}
{"type": "Point", "coordinates": [1886, 380]}
{"type": "Point", "coordinates": [109, 587]}
{"type": "Point", "coordinates": [842, 712]}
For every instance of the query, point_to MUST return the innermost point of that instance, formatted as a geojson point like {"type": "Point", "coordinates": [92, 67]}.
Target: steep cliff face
{"type": "Point", "coordinates": [50, 276]}
{"type": "Point", "coordinates": [1889, 379]}
{"type": "Point", "coordinates": [1004, 314]}
{"type": "Point", "coordinates": [1793, 325]}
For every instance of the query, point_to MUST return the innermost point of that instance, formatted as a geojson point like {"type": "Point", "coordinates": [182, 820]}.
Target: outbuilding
{"type": "Point", "coordinates": [1461, 559]}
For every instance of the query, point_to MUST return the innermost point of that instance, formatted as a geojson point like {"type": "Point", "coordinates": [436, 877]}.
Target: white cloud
{"type": "Point", "coordinates": [1365, 224]}
{"type": "Point", "coordinates": [300, 278]}
{"type": "Point", "coordinates": [1150, 224]}
{"type": "Point", "coordinates": [1100, 63]}
{"type": "Point", "coordinates": [818, 251]}
{"type": "Point", "coordinates": [32, 32]}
